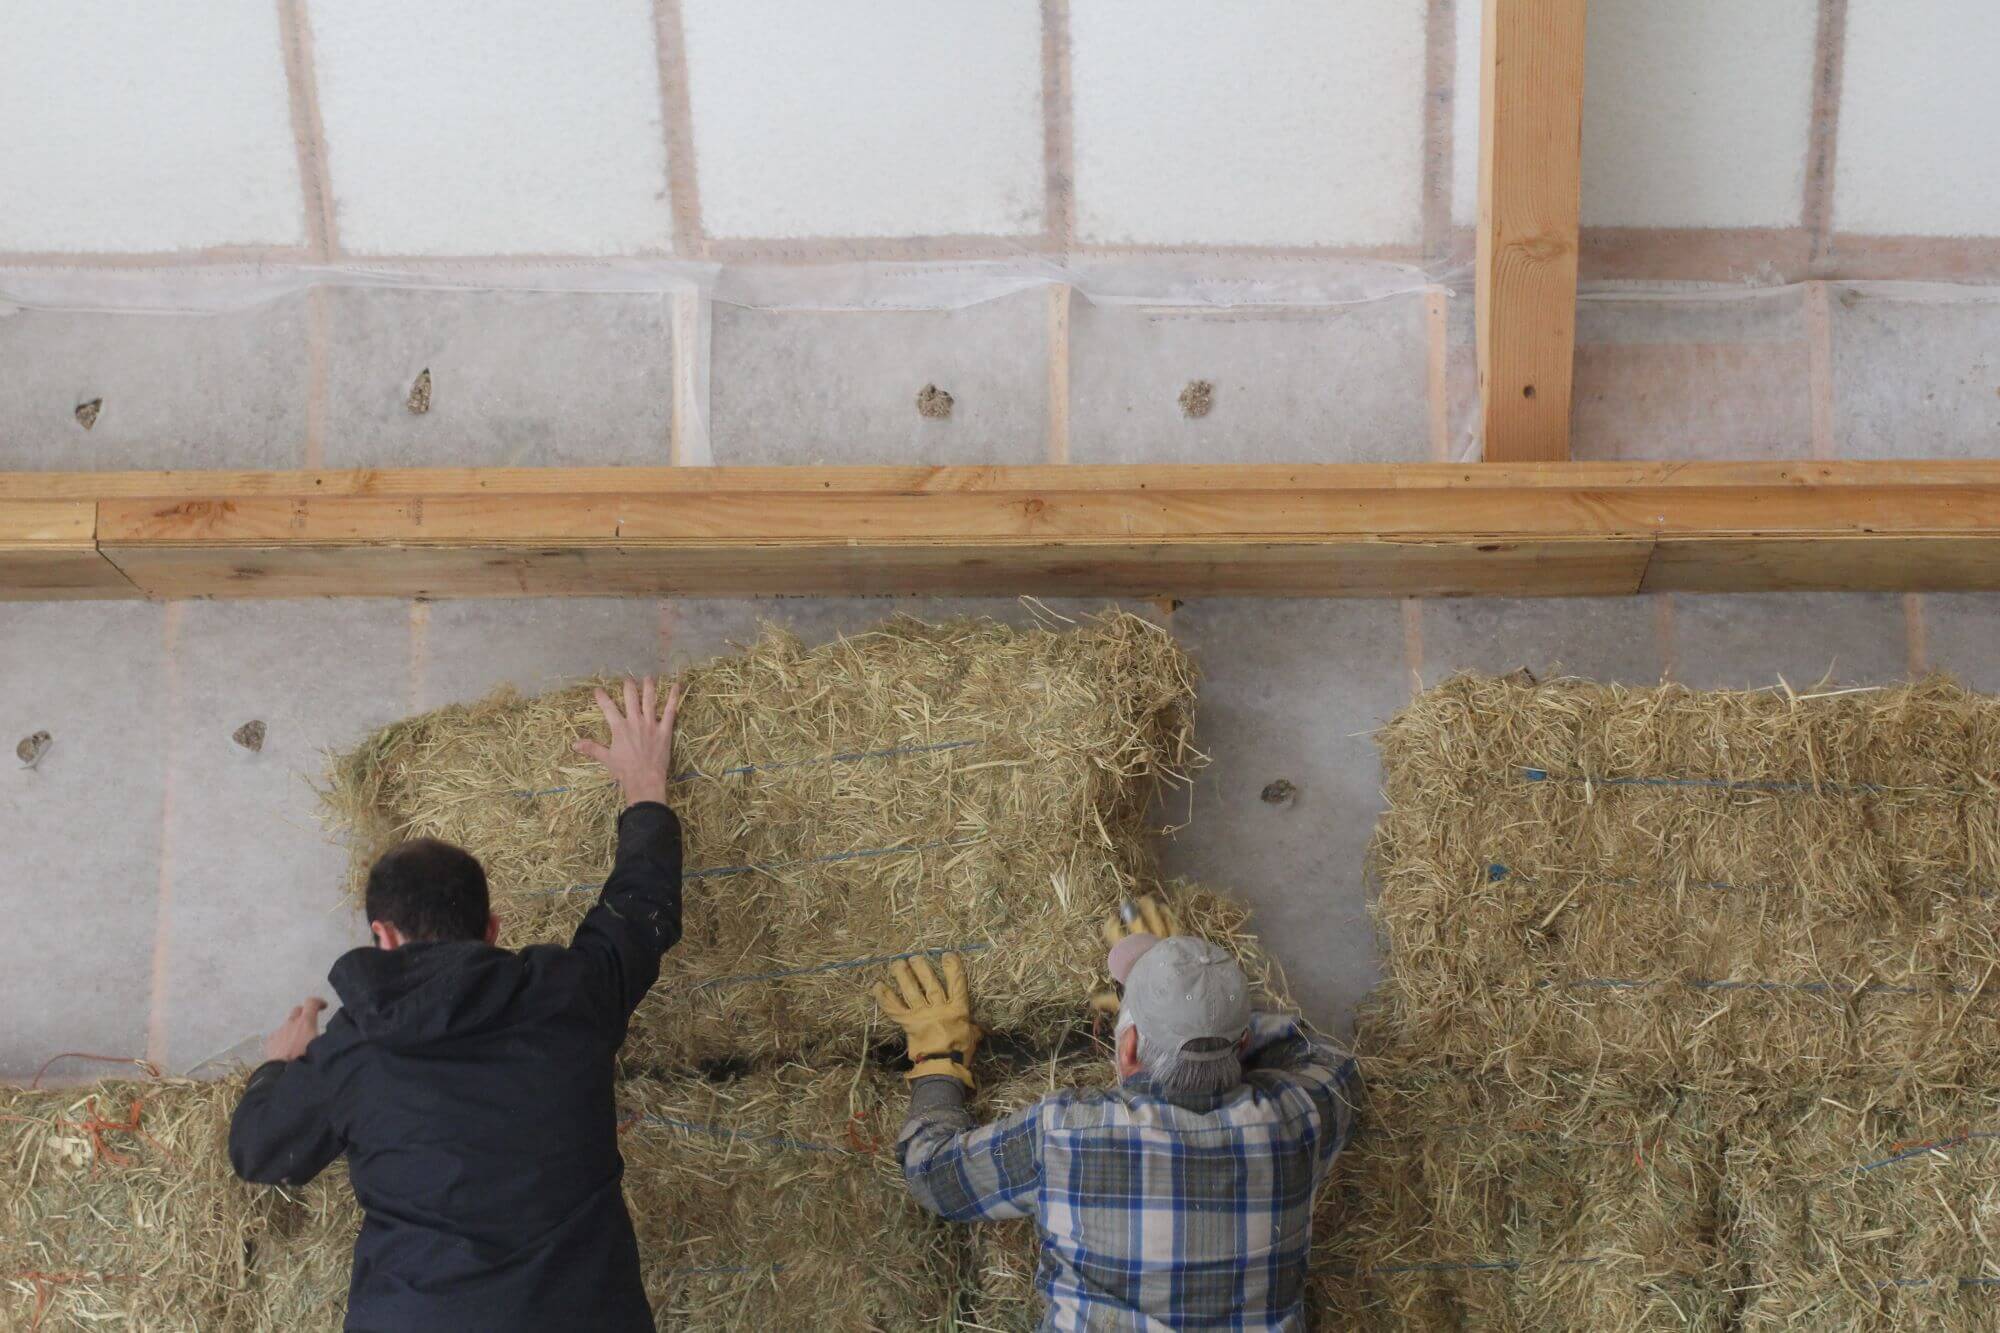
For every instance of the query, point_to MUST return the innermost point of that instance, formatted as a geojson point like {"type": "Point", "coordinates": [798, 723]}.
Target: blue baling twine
{"type": "Point", "coordinates": [846, 966]}
{"type": "Point", "coordinates": [720, 872]}
{"type": "Point", "coordinates": [1496, 871]}
{"type": "Point", "coordinates": [1924, 1150]}
{"type": "Point", "coordinates": [846, 757]}
{"type": "Point", "coordinates": [1722, 984]}
{"type": "Point", "coordinates": [1721, 784]}
{"type": "Point", "coordinates": [1515, 1265]}
{"type": "Point", "coordinates": [740, 1136]}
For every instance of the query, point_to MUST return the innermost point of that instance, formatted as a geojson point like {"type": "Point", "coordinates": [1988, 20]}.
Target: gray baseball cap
{"type": "Point", "coordinates": [1187, 989]}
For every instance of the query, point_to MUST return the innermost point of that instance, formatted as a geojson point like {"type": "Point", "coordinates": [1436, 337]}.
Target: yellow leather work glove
{"type": "Point", "coordinates": [936, 1016]}
{"type": "Point", "coordinates": [1146, 916]}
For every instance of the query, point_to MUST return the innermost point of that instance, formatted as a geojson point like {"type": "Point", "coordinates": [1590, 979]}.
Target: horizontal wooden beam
{"type": "Point", "coordinates": [48, 549]}
{"type": "Point", "coordinates": [898, 480]}
{"type": "Point", "coordinates": [1328, 530]}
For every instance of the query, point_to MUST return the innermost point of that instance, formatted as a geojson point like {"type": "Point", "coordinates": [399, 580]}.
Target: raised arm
{"type": "Point", "coordinates": [637, 917]}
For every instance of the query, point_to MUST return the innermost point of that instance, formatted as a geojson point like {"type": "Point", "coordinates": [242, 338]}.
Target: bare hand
{"type": "Point", "coordinates": [642, 741]}
{"type": "Point", "coordinates": [289, 1042]}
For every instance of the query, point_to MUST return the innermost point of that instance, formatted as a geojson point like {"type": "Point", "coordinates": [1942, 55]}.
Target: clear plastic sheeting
{"type": "Point", "coordinates": [1189, 279]}
{"type": "Point", "coordinates": [1094, 360]}
{"type": "Point", "coordinates": [1684, 375]}
{"type": "Point", "coordinates": [1915, 370]}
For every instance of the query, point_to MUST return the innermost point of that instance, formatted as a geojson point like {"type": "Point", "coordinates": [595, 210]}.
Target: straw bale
{"type": "Point", "coordinates": [1216, 915]}
{"type": "Point", "coordinates": [1764, 921]}
{"type": "Point", "coordinates": [914, 787]}
{"type": "Point", "coordinates": [1468, 1204]}
{"type": "Point", "coordinates": [1728, 890]}
{"type": "Point", "coordinates": [302, 1267]}
{"type": "Point", "coordinates": [1000, 1291]}
{"type": "Point", "coordinates": [775, 1201]}
{"type": "Point", "coordinates": [118, 1208]}
{"type": "Point", "coordinates": [1858, 1211]}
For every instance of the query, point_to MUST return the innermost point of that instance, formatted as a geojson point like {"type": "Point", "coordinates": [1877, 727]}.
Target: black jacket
{"type": "Point", "coordinates": [471, 1089]}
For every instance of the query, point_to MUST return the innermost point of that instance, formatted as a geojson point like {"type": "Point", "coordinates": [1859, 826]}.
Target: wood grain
{"type": "Point", "coordinates": [1530, 174]}
{"type": "Point", "coordinates": [1803, 472]}
{"type": "Point", "coordinates": [1879, 562]}
{"type": "Point", "coordinates": [1329, 530]}
{"type": "Point", "coordinates": [1354, 567]}
{"type": "Point", "coordinates": [48, 550]}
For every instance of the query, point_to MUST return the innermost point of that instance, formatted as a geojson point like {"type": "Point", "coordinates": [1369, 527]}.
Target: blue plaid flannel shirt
{"type": "Point", "coordinates": [1154, 1214]}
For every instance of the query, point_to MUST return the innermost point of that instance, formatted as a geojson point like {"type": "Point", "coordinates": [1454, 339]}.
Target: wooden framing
{"type": "Point", "coordinates": [48, 549]}
{"type": "Point", "coordinates": [1530, 173]}
{"type": "Point", "coordinates": [1325, 530]}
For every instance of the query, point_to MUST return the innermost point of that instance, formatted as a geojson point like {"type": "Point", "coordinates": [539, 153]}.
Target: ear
{"type": "Point", "coordinates": [1128, 1052]}
{"type": "Point", "coordinates": [492, 927]}
{"type": "Point", "coordinates": [386, 935]}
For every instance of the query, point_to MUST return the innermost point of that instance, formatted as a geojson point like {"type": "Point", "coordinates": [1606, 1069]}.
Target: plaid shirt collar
{"type": "Point", "coordinates": [1201, 1103]}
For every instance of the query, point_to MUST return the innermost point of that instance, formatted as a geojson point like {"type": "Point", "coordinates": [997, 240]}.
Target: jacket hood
{"type": "Point", "coordinates": [423, 993]}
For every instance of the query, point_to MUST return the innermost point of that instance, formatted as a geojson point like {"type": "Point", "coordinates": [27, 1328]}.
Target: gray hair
{"type": "Point", "coordinates": [1174, 1075]}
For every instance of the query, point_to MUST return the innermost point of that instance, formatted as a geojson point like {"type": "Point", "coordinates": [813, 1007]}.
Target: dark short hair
{"type": "Point", "coordinates": [429, 890]}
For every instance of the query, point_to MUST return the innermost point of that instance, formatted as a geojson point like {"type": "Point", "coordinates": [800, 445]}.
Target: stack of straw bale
{"type": "Point", "coordinates": [118, 1209]}
{"type": "Point", "coordinates": [1725, 891]}
{"type": "Point", "coordinates": [774, 1200]}
{"type": "Point", "coordinates": [1462, 1204]}
{"type": "Point", "coordinates": [1766, 920]}
{"type": "Point", "coordinates": [908, 790]}
{"type": "Point", "coordinates": [912, 788]}
{"type": "Point", "coordinates": [1854, 1212]}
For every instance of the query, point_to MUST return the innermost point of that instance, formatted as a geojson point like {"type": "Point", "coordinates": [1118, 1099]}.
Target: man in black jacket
{"type": "Point", "coordinates": [471, 1087]}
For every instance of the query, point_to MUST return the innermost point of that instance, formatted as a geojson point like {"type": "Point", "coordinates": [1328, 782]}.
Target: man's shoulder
{"type": "Point", "coordinates": [1089, 1108]}
{"type": "Point", "coordinates": [551, 970]}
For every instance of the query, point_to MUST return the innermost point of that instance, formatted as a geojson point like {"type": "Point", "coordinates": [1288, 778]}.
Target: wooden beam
{"type": "Point", "coordinates": [923, 480]}
{"type": "Point", "coordinates": [48, 550]}
{"type": "Point", "coordinates": [1326, 530]}
{"type": "Point", "coordinates": [1353, 568]}
{"type": "Point", "coordinates": [1530, 169]}
{"type": "Point", "coordinates": [1872, 562]}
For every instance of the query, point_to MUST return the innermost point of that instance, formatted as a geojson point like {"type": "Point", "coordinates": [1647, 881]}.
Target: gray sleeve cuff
{"type": "Point", "coordinates": [937, 1109]}
{"type": "Point", "coordinates": [940, 1093]}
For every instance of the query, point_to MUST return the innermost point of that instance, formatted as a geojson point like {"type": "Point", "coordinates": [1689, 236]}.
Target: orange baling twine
{"type": "Point", "coordinates": [96, 1126]}
{"type": "Point", "coordinates": [45, 1285]}
{"type": "Point", "coordinates": [151, 1070]}
{"type": "Point", "coordinates": [1949, 1141]}
{"type": "Point", "coordinates": [858, 1140]}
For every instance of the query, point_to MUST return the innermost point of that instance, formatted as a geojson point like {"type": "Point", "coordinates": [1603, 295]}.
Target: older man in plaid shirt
{"type": "Point", "coordinates": [1180, 1199]}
